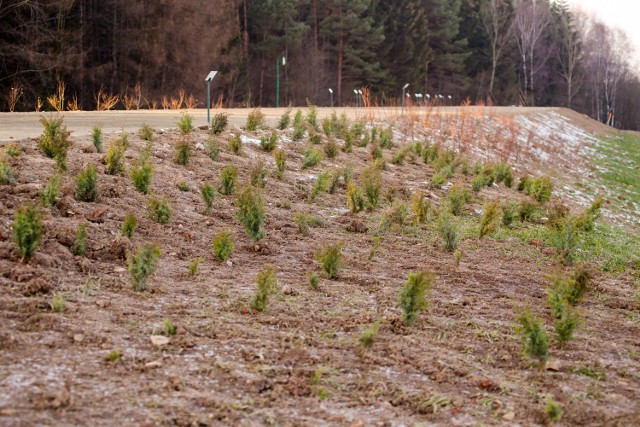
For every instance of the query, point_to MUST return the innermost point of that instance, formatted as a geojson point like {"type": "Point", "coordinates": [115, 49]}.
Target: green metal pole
{"type": "Point", "coordinates": [278, 81]}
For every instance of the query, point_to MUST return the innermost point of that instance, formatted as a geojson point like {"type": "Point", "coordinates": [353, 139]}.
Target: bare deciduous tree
{"type": "Point", "coordinates": [498, 23]}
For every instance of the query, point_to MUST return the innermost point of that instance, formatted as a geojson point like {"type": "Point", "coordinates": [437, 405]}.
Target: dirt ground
{"type": "Point", "coordinates": [298, 363]}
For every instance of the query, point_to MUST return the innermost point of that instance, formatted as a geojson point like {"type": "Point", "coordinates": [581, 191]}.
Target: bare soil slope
{"type": "Point", "coordinates": [300, 362]}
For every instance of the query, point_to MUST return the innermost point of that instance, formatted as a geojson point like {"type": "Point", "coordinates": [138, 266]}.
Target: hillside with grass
{"type": "Point", "coordinates": [447, 268]}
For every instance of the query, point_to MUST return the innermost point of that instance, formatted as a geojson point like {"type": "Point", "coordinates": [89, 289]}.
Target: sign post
{"type": "Point", "coordinates": [208, 79]}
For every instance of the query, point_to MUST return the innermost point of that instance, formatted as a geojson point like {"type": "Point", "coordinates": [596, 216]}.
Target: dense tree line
{"type": "Point", "coordinates": [503, 52]}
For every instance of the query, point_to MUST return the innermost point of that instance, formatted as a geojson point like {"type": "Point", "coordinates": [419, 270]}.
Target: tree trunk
{"type": "Point", "coordinates": [245, 35]}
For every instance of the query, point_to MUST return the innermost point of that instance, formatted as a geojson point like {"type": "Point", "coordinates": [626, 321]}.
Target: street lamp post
{"type": "Point", "coordinates": [404, 88]}
{"type": "Point", "coordinates": [208, 79]}
{"type": "Point", "coordinates": [331, 93]}
{"type": "Point", "coordinates": [355, 91]}
{"type": "Point", "coordinates": [282, 59]}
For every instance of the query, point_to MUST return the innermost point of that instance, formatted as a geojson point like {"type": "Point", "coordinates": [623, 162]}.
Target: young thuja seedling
{"type": "Point", "coordinates": [219, 123]}
{"type": "Point", "coordinates": [489, 220]}
{"type": "Point", "coordinates": [141, 173]}
{"type": "Point", "coordinates": [208, 194]}
{"type": "Point", "coordinates": [448, 231]}
{"type": "Point", "coordinates": [169, 327]}
{"type": "Point", "coordinates": [27, 230]}
{"type": "Point", "coordinates": [146, 132]}
{"type": "Point", "coordinates": [6, 171]}
{"type": "Point", "coordinates": [228, 175]}
{"type": "Point", "coordinates": [57, 303]}
{"type": "Point", "coordinates": [355, 198]}
{"type": "Point", "coordinates": [80, 243]}
{"type": "Point", "coordinates": [331, 149]}
{"type": "Point", "coordinates": [186, 123]}
{"type": "Point", "coordinates": [311, 158]}
{"type": "Point", "coordinates": [535, 343]}
{"type": "Point", "coordinates": [267, 284]}
{"type": "Point", "coordinates": [255, 120]}
{"type": "Point", "coordinates": [114, 160]}
{"type": "Point", "coordinates": [142, 264]}
{"type": "Point", "coordinates": [314, 280]}
{"type": "Point", "coordinates": [320, 185]}
{"type": "Point", "coordinates": [413, 296]}
{"type": "Point", "coordinates": [314, 137]}
{"type": "Point", "coordinates": [458, 196]}
{"type": "Point", "coordinates": [553, 411]}
{"type": "Point", "coordinates": [304, 221]}
{"type": "Point", "coordinates": [54, 140]}
{"type": "Point", "coordinates": [566, 325]}
{"type": "Point", "coordinates": [193, 265]}
{"type": "Point", "coordinates": [330, 257]}
{"type": "Point", "coordinates": [235, 144]}
{"type": "Point", "coordinates": [159, 210]}
{"type": "Point", "coordinates": [280, 157]}
{"type": "Point", "coordinates": [285, 119]}
{"type": "Point", "coordinates": [222, 245]}
{"type": "Point", "coordinates": [183, 186]}
{"type": "Point", "coordinates": [113, 356]}
{"type": "Point", "coordinates": [97, 139]}
{"type": "Point", "coordinates": [458, 257]}
{"type": "Point", "coordinates": [369, 335]}
{"type": "Point", "coordinates": [50, 193]}
{"type": "Point", "coordinates": [269, 142]}
{"type": "Point", "coordinates": [214, 148]}
{"type": "Point", "coordinates": [183, 151]}
{"type": "Point", "coordinates": [129, 224]}
{"type": "Point", "coordinates": [251, 212]}
{"type": "Point", "coordinates": [371, 181]}
{"type": "Point", "coordinates": [258, 175]}
{"type": "Point", "coordinates": [420, 207]}
{"type": "Point", "coordinates": [86, 180]}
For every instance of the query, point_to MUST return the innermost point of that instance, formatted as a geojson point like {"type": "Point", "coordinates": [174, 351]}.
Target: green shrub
{"type": "Point", "coordinates": [219, 123]}
{"type": "Point", "coordinates": [235, 144]}
{"type": "Point", "coordinates": [280, 157]}
{"type": "Point", "coordinates": [458, 197]}
{"type": "Point", "coordinates": [477, 183]}
{"type": "Point", "coordinates": [285, 119]}
{"type": "Point", "coordinates": [27, 230]}
{"type": "Point", "coordinates": [255, 120]}
{"type": "Point", "coordinates": [251, 213]}
{"type": "Point", "coordinates": [50, 193]}
{"type": "Point", "coordinates": [311, 158]}
{"type": "Point", "coordinates": [146, 132]}
{"type": "Point", "coordinates": [80, 243]}
{"type": "Point", "coordinates": [141, 173]}
{"type": "Point", "coordinates": [114, 160]}
{"type": "Point", "coordinates": [58, 303]}
{"type": "Point", "coordinates": [355, 198]}
{"type": "Point", "coordinates": [129, 224]}
{"type": "Point", "coordinates": [369, 335]}
{"type": "Point", "coordinates": [183, 186]}
{"type": "Point", "coordinates": [193, 265]}
{"type": "Point", "coordinates": [413, 295]}
{"type": "Point", "coordinates": [535, 342]}
{"type": "Point", "coordinates": [330, 256]}
{"type": "Point", "coordinates": [553, 411]}
{"type": "Point", "coordinates": [228, 175]}
{"type": "Point", "coordinates": [327, 127]}
{"type": "Point", "coordinates": [314, 280]}
{"type": "Point", "coordinates": [97, 139]}
{"type": "Point", "coordinates": [438, 180]}
{"type": "Point", "coordinates": [269, 143]}
{"type": "Point", "coordinates": [54, 141]}
{"type": "Point", "coordinates": [331, 149]}
{"type": "Point", "coordinates": [86, 180]}
{"type": "Point", "coordinates": [298, 131]}
{"type": "Point", "coordinates": [509, 213]}
{"type": "Point", "coordinates": [222, 245]}
{"type": "Point", "coordinates": [489, 219]}
{"type": "Point", "coordinates": [315, 138]}
{"type": "Point", "coordinates": [142, 264]}
{"type": "Point", "coordinates": [448, 232]}
{"type": "Point", "coordinates": [213, 147]}
{"type": "Point", "coordinates": [348, 143]}
{"type": "Point", "coordinates": [539, 188]}
{"type": "Point", "coordinates": [183, 151]}
{"type": "Point", "coordinates": [312, 116]}
{"type": "Point", "coordinates": [267, 284]}
{"type": "Point", "coordinates": [259, 174]}
{"type": "Point", "coordinates": [185, 124]}
{"type": "Point", "coordinates": [565, 240]}
{"type": "Point", "coordinates": [320, 185]}
{"type": "Point", "coordinates": [208, 194]}
{"type": "Point", "coordinates": [304, 221]}
{"type": "Point", "coordinates": [159, 210]}
{"type": "Point", "coordinates": [586, 221]}
{"type": "Point", "coordinates": [386, 138]}
{"type": "Point", "coordinates": [169, 327]}
{"type": "Point", "coordinates": [420, 207]}
{"type": "Point", "coordinates": [526, 210]}
{"type": "Point", "coordinates": [6, 172]}
{"type": "Point", "coordinates": [371, 181]}
{"type": "Point", "coordinates": [566, 325]}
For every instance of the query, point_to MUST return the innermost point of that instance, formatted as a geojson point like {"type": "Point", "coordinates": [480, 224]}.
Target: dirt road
{"type": "Point", "coordinates": [25, 125]}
